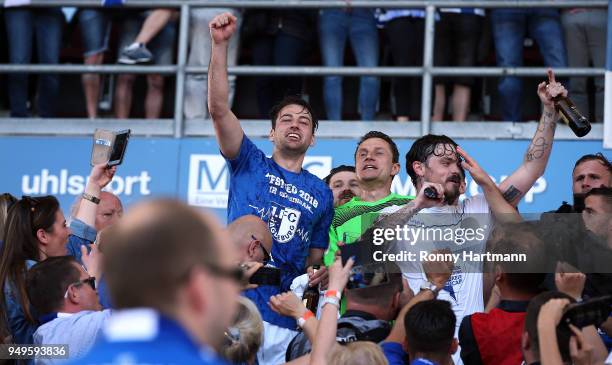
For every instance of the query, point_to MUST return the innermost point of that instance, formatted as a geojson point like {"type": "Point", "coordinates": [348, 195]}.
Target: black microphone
{"type": "Point", "coordinates": [430, 193]}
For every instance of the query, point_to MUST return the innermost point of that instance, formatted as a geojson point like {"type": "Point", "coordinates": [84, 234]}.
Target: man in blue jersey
{"type": "Point", "coordinates": [296, 205]}
{"type": "Point", "coordinates": [172, 273]}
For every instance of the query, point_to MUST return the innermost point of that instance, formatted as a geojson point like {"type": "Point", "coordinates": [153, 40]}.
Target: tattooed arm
{"type": "Point", "coordinates": [536, 157]}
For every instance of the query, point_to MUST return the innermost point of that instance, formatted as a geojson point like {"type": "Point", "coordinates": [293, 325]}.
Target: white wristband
{"type": "Point", "coordinates": [331, 300]}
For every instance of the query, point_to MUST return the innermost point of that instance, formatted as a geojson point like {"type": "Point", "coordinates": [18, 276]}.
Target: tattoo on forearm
{"type": "Point", "coordinates": [547, 122]}
{"type": "Point", "coordinates": [537, 149]}
{"type": "Point", "coordinates": [511, 193]}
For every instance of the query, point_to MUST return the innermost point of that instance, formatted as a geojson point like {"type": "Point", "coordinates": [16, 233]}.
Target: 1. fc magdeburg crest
{"type": "Point", "coordinates": [283, 222]}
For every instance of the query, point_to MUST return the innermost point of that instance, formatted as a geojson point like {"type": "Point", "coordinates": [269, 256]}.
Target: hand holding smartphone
{"type": "Point", "coordinates": [109, 147]}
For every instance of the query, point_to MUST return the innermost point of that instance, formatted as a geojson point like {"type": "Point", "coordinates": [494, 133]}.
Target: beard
{"type": "Point", "coordinates": [451, 195]}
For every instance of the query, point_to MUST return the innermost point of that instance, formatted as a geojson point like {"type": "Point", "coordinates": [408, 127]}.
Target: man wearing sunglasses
{"type": "Point", "coordinates": [252, 239]}
{"type": "Point", "coordinates": [64, 294]}
{"type": "Point", "coordinates": [171, 271]}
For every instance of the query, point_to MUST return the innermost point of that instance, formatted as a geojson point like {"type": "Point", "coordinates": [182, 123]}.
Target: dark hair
{"type": "Point", "coordinates": [293, 100]}
{"type": "Point", "coordinates": [172, 241]}
{"type": "Point", "coordinates": [604, 192]}
{"type": "Point", "coordinates": [386, 138]}
{"type": "Point", "coordinates": [382, 294]}
{"type": "Point", "coordinates": [531, 323]}
{"type": "Point", "coordinates": [424, 147]}
{"type": "Point", "coordinates": [21, 243]}
{"type": "Point", "coordinates": [430, 327]}
{"type": "Point", "coordinates": [336, 170]}
{"type": "Point", "coordinates": [6, 202]}
{"type": "Point", "coordinates": [47, 281]}
{"type": "Point", "coordinates": [521, 238]}
{"type": "Point", "coordinates": [595, 157]}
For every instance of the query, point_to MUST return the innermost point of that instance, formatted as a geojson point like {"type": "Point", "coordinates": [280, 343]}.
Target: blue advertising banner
{"type": "Point", "coordinates": [60, 166]}
{"type": "Point", "coordinates": [193, 170]}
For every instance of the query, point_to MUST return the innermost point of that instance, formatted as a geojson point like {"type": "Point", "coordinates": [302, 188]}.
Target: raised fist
{"type": "Point", "coordinates": [222, 27]}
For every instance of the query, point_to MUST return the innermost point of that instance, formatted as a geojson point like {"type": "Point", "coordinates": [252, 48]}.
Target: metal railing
{"type": "Point", "coordinates": [179, 127]}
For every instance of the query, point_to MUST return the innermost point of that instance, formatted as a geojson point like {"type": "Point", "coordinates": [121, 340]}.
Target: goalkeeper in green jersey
{"type": "Point", "coordinates": [376, 164]}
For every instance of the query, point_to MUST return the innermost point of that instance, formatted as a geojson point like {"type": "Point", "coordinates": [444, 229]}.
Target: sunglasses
{"type": "Point", "coordinates": [91, 281]}
{"type": "Point", "coordinates": [236, 274]}
{"type": "Point", "coordinates": [267, 257]}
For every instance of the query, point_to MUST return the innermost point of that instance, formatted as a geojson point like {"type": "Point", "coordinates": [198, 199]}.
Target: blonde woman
{"type": "Point", "coordinates": [245, 335]}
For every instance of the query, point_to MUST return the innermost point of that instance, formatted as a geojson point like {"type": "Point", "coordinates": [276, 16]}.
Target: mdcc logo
{"type": "Point", "coordinates": [208, 181]}
{"type": "Point", "coordinates": [208, 184]}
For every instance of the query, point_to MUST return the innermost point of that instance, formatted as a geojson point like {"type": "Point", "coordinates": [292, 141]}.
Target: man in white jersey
{"type": "Point", "coordinates": [434, 162]}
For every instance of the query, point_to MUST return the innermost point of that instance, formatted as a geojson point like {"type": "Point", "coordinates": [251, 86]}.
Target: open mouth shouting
{"type": "Point", "coordinates": [293, 137]}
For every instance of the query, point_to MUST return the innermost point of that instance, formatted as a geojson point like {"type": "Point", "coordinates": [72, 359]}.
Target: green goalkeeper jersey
{"type": "Point", "coordinates": [353, 218]}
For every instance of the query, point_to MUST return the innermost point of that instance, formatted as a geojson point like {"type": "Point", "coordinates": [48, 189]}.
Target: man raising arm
{"type": "Point", "coordinates": [536, 157]}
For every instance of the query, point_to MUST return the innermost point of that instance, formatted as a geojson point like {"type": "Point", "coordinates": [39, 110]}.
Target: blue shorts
{"type": "Point", "coordinates": [95, 30]}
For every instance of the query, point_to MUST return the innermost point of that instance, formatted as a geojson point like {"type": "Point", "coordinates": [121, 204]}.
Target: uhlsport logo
{"type": "Point", "coordinates": [208, 183]}
{"type": "Point", "coordinates": [283, 222]}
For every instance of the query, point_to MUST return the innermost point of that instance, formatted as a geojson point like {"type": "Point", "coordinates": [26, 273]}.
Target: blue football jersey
{"type": "Point", "coordinates": [298, 208]}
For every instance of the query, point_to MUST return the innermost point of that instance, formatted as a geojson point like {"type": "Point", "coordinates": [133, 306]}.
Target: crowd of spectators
{"type": "Point", "coordinates": [162, 283]}
{"type": "Point", "coordinates": [377, 37]}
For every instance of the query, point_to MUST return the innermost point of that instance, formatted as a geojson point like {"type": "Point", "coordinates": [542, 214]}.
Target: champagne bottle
{"type": "Point", "coordinates": [572, 117]}
{"type": "Point", "coordinates": [310, 298]}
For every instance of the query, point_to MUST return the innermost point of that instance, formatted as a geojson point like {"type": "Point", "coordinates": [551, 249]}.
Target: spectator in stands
{"type": "Point", "coordinates": [95, 33]}
{"type": "Point", "coordinates": [597, 213]}
{"type": "Point", "coordinates": [23, 25]}
{"type": "Point", "coordinates": [6, 202]}
{"type": "Point", "coordinates": [359, 26]}
{"type": "Point", "coordinates": [35, 230]}
{"type": "Point", "coordinates": [64, 295]}
{"type": "Point", "coordinates": [376, 164]}
{"type": "Point", "coordinates": [278, 38]}
{"type": "Point", "coordinates": [183, 293]}
{"type": "Point", "coordinates": [404, 30]}
{"type": "Point", "coordinates": [585, 39]}
{"type": "Point", "coordinates": [162, 47]}
{"type": "Point", "coordinates": [509, 27]}
{"type": "Point", "coordinates": [297, 205]}
{"type": "Point", "coordinates": [137, 51]}
{"type": "Point", "coordinates": [196, 85]}
{"type": "Point", "coordinates": [369, 311]}
{"type": "Point", "coordinates": [457, 37]}
{"type": "Point", "coordinates": [245, 335]}
{"type": "Point", "coordinates": [252, 239]}
{"type": "Point", "coordinates": [494, 337]}
{"type": "Point", "coordinates": [343, 183]}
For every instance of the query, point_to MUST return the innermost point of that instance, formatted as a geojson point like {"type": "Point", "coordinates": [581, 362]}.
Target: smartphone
{"type": "Point", "coordinates": [266, 276]}
{"type": "Point", "coordinates": [591, 312]}
{"type": "Point", "coordinates": [368, 275]}
{"type": "Point", "coordinates": [119, 147]}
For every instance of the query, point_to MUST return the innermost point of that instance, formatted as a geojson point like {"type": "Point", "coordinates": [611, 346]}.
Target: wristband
{"type": "Point", "coordinates": [91, 198]}
{"type": "Point", "coordinates": [302, 320]}
{"type": "Point", "coordinates": [332, 294]}
{"type": "Point", "coordinates": [331, 300]}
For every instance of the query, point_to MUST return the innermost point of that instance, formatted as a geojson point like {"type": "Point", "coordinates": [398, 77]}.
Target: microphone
{"type": "Point", "coordinates": [430, 193]}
